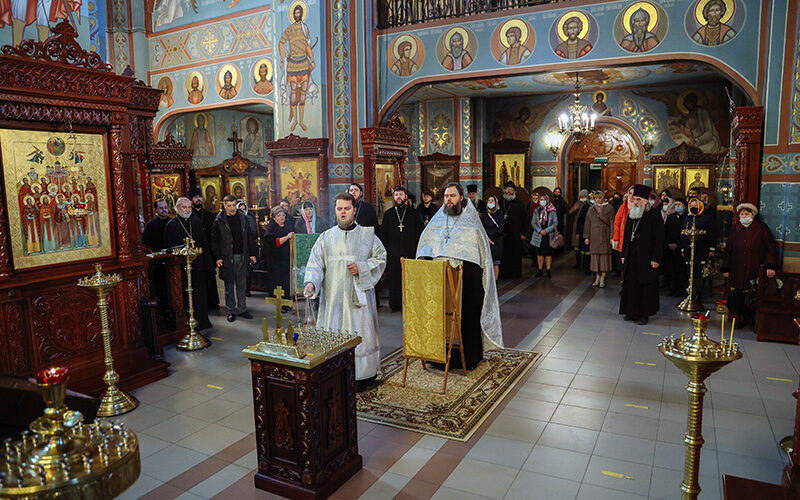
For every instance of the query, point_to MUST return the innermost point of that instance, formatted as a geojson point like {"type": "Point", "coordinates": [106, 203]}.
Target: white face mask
{"type": "Point", "coordinates": [543, 203]}
{"type": "Point", "coordinates": [491, 205]}
{"type": "Point", "coordinates": [583, 200]}
{"type": "Point", "coordinates": [746, 221]}
{"type": "Point", "coordinates": [679, 208]}
{"type": "Point", "coordinates": [651, 202]}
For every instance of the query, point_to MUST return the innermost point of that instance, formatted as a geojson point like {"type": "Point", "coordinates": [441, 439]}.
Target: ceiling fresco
{"type": "Point", "coordinates": [556, 82]}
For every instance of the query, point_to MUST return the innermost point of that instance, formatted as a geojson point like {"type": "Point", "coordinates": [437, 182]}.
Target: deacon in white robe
{"type": "Point", "coordinates": [345, 264]}
{"type": "Point", "coordinates": [456, 234]}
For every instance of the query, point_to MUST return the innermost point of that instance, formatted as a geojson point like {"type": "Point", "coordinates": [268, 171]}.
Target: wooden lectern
{"type": "Point", "coordinates": [431, 313]}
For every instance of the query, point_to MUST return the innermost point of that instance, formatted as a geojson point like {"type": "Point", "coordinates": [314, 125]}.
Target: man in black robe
{"type": "Point", "coordinates": [516, 216]}
{"type": "Point", "coordinates": [186, 225]}
{"type": "Point", "coordinates": [153, 239]}
{"type": "Point", "coordinates": [206, 219]}
{"type": "Point", "coordinates": [641, 257]}
{"type": "Point", "coordinates": [399, 233]}
{"type": "Point", "coordinates": [365, 213]}
{"type": "Point", "coordinates": [472, 194]}
{"type": "Point", "coordinates": [674, 263]}
{"type": "Point", "coordinates": [427, 208]}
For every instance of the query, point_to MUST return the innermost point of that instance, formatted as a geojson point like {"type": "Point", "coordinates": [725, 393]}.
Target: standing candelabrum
{"type": "Point", "coordinates": [698, 357]}
{"type": "Point", "coordinates": [114, 402]}
{"type": "Point", "coordinates": [192, 341]}
{"type": "Point", "coordinates": [690, 303]}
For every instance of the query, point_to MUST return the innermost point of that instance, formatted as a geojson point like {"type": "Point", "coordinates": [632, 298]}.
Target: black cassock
{"type": "Point", "coordinates": [153, 238]}
{"type": "Point", "coordinates": [399, 244]}
{"type": "Point", "coordinates": [644, 242]}
{"type": "Point", "coordinates": [515, 226]}
{"type": "Point", "coordinates": [277, 258]}
{"type": "Point", "coordinates": [206, 218]}
{"type": "Point", "coordinates": [365, 215]}
{"type": "Point", "coordinates": [176, 231]}
{"type": "Point", "coordinates": [427, 213]}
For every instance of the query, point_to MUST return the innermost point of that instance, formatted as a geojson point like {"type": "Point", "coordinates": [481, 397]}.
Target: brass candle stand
{"type": "Point", "coordinates": [192, 341]}
{"type": "Point", "coordinates": [61, 457]}
{"type": "Point", "coordinates": [698, 357]}
{"type": "Point", "coordinates": [114, 402]}
{"type": "Point", "coordinates": [690, 303]}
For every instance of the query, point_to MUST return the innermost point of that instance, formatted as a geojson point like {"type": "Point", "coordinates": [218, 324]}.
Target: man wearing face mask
{"type": "Point", "coordinates": [514, 234]}
{"type": "Point", "coordinates": [674, 263]}
{"type": "Point", "coordinates": [641, 257]}
{"type": "Point", "coordinates": [750, 246]}
{"type": "Point", "coordinates": [578, 216]}
{"type": "Point", "coordinates": [667, 204]}
{"type": "Point", "coordinates": [700, 219]}
{"type": "Point", "coordinates": [186, 225]}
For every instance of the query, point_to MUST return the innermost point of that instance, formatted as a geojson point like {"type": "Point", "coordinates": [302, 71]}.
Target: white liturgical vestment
{"type": "Point", "coordinates": [347, 302]}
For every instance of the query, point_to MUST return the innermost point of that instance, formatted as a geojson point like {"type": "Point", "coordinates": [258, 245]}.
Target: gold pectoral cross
{"type": "Point", "coordinates": [401, 227]}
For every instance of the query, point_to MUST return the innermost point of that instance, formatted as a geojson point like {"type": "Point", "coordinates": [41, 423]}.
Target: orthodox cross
{"type": "Point", "coordinates": [234, 138]}
{"type": "Point", "coordinates": [279, 302]}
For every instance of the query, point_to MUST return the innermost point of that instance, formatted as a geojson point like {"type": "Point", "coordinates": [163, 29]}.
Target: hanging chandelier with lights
{"type": "Point", "coordinates": [577, 122]}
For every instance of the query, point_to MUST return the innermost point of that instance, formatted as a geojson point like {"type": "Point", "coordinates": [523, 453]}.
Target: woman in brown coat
{"type": "Point", "coordinates": [597, 235]}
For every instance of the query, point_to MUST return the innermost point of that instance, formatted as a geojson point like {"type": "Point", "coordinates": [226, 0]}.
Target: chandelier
{"type": "Point", "coordinates": [577, 122]}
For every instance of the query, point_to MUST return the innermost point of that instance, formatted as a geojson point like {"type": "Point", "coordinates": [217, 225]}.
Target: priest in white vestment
{"type": "Point", "coordinates": [456, 234]}
{"type": "Point", "coordinates": [345, 264]}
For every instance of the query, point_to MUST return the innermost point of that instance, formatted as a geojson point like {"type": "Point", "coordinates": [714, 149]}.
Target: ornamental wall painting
{"type": "Point", "coordinates": [512, 42]}
{"type": "Point", "coordinates": [228, 81]}
{"type": "Point", "coordinates": [195, 87]}
{"type": "Point", "coordinates": [252, 137]}
{"type": "Point", "coordinates": [573, 35]}
{"type": "Point", "coordinates": [298, 182]}
{"type": "Point", "coordinates": [641, 27]}
{"type": "Point", "coordinates": [296, 51]}
{"type": "Point", "coordinates": [714, 22]}
{"type": "Point", "coordinates": [457, 48]}
{"type": "Point", "coordinates": [167, 87]}
{"type": "Point", "coordinates": [61, 209]}
{"type": "Point", "coordinates": [262, 77]}
{"type": "Point", "coordinates": [166, 187]}
{"type": "Point", "coordinates": [405, 55]}
{"type": "Point", "coordinates": [200, 131]}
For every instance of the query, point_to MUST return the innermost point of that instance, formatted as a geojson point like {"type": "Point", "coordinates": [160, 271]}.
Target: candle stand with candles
{"type": "Point", "coordinates": [192, 341]}
{"type": "Point", "coordinates": [690, 303]}
{"type": "Point", "coordinates": [698, 357]}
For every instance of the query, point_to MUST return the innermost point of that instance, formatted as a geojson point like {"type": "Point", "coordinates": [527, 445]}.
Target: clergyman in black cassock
{"type": "Point", "coordinates": [176, 231]}
{"type": "Point", "coordinates": [515, 227]}
{"type": "Point", "coordinates": [399, 233]}
{"type": "Point", "coordinates": [641, 257]}
{"type": "Point", "coordinates": [153, 239]}
{"type": "Point", "coordinates": [365, 213]}
{"type": "Point", "coordinates": [206, 219]}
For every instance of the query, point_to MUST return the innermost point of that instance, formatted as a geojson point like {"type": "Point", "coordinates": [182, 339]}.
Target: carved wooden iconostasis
{"type": "Point", "coordinates": [606, 160]}
{"type": "Point", "coordinates": [243, 178]}
{"type": "Point", "coordinates": [684, 167]}
{"type": "Point", "coordinates": [299, 172]}
{"type": "Point", "coordinates": [385, 150]}
{"type": "Point", "coordinates": [83, 128]}
{"type": "Point", "coordinates": [508, 161]}
{"type": "Point", "coordinates": [436, 171]}
{"type": "Point", "coordinates": [165, 176]}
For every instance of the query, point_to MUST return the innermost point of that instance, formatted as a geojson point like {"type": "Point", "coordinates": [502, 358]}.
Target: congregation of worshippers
{"type": "Point", "coordinates": [636, 243]}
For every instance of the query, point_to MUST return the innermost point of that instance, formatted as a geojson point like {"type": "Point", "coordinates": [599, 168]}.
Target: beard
{"type": "Point", "coordinates": [453, 210]}
{"type": "Point", "coordinates": [636, 212]}
{"type": "Point", "coordinates": [197, 204]}
{"type": "Point", "coordinates": [456, 51]}
{"type": "Point", "coordinates": [345, 224]}
{"type": "Point", "coordinates": [509, 197]}
{"type": "Point", "coordinates": [185, 215]}
{"type": "Point", "coordinates": [638, 36]}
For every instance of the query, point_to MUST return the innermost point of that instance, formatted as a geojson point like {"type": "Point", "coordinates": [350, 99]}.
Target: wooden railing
{"type": "Point", "coordinates": [393, 13]}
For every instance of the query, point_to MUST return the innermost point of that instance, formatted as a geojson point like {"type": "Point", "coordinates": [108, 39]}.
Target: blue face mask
{"type": "Point", "coordinates": [679, 209]}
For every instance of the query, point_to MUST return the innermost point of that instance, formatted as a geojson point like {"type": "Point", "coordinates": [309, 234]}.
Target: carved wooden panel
{"type": "Point", "coordinates": [608, 141]}
{"type": "Point", "coordinates": [13, 358]}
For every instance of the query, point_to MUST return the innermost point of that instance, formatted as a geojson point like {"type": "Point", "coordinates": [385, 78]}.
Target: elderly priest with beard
{"type": "Point", "coordinates": [641, 258]}
{"type": "Point", "coordinates": [345, 264]}
{"type": "Point", "coordinates": [456, 234]}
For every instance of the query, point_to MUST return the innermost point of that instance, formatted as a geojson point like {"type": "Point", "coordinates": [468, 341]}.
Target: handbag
{"type": "Point", "coordinates": [556, 239]}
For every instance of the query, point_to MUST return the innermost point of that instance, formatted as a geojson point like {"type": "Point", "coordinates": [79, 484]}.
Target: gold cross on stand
{"type": "Point", "coordinates": [234, 138]}
{"type": "Point", "coordinates": [279, 302]}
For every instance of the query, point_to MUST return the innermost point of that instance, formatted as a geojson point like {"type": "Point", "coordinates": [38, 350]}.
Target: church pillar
{"type": "Point", "coordinates": [122, 202]}
{"type": "Point", "coordinates": [747, 124]}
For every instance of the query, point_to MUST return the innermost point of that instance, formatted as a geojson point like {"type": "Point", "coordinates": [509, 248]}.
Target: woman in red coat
{"type": "Point", "coordinates": [750, 246]}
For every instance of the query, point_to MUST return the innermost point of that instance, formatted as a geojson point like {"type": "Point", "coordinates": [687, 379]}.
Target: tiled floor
{"type": "Point", "coordinates": [602, 415]}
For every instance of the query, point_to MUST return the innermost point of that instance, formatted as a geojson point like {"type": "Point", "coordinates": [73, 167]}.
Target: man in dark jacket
{"type": "Point", "coordinates": [233, 243]}
{"type": "Point", "coordinates": [674, 263]}
{"type": "Point", "coordinates": [206, 219]}
{"type": "Point", "coordinates": [641, 257]}
{"type": "Point", "coordinates": [561, 210]}
{"type": "Point", "coordinates": [750, 246]}
{"type": "Point", "coordinates": [514, 233]}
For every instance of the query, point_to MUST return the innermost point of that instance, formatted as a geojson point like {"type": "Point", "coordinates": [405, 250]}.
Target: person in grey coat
{"type": "Point", "coordinates": [544, 222]}
{"type": "Point", "coordinates": [233, 243]}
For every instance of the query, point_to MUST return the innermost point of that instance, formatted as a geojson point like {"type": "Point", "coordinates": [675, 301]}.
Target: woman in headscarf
{"type": "Point", "coordinates": [493, 223]}
{"type": "Point", "coordinates": [597, 235]}
{"type": "Point", "coordinates": [276, 240]}
{"type": "Point", "coordinates": [309, 222]}
{"type": "Point", "coordinates": [544, 223]}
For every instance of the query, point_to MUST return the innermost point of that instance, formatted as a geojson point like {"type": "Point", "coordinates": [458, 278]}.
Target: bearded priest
{"type": "Point", "coordinates": [641, 258]}
{"type": "Point", "coordinates": [456, 234]}
{"type": "Point", "coordinates": [345, 264]}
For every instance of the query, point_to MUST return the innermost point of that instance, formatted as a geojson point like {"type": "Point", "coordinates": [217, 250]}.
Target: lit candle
{"type": "Point", "coordinates": [730, 338]}
{"type": "Point", "coordinates": [722, 340]}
